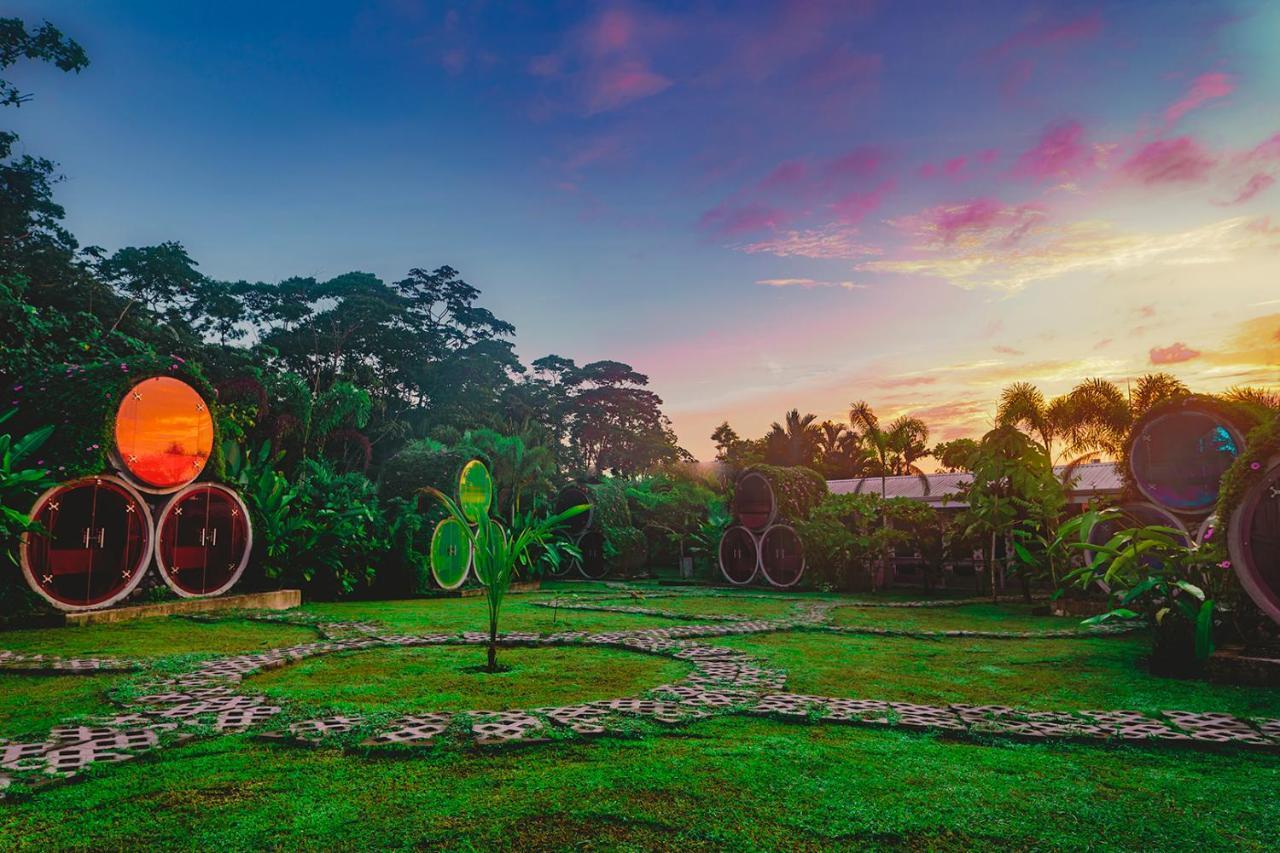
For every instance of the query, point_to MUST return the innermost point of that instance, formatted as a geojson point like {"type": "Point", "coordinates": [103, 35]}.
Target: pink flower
{"type": "Point", "coordinates": [1254, 466]}
{"type": "Point", "coordinates": [1225, 564]}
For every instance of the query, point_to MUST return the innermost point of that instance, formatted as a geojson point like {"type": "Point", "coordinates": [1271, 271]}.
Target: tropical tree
{"type": "Point", "coordinates": [839, 453]}
{"type": "Point", "coordinates": [894, 450]}
{"type": "Point", "coordinates": [497, 552]}
{"type": "Point", "coordinates": [792, 442]}
{"type": "Point", "coordinates": [518, 468]}
{"type": "Point", "coordinates": [955, 455]}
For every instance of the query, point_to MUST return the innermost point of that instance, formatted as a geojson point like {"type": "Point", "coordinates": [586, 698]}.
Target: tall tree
{"type": "Point", "coordinates": [794, 441]}
{"type": "Point", "coordinates": [895, 449]}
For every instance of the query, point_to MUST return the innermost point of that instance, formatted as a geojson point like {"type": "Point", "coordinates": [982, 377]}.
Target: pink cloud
{"type": "Point", "coordinates": [832, 243]}
{"type": "Point", "coordinates": [862, 162]}
{"type": "Point", "coordinates": [622, 83]}
{"type": "Point", "coordinates": [1165, 161]}
{"type": "Point", "coordinates": [1256, 184]}
{"type": "Point", "coordinates": [854, 207]}
{"type": "Point", "coordinates": [984, 218]}
{"type": "Point", "coordinates": [1267, 150]}
{"type": "Point", "coordinates": [611, 31]}
{"type": "Point", "coordinates": [729, 221]}
{"type": "Point", "coordinates": [1206, 87]}
{"type": "Point", "coordinates": [1175, 353]}
{"type": "Point", "coordinates": [1041, 35]}
{"type": "Point", "coordinates": [785, 174]}
{"type": "Point", "coordinates": [1007, 350]}
{"type": "Point", "coordinates": [1060, 154]}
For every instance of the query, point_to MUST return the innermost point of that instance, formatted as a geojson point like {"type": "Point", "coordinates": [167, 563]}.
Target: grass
{"type": "Point", "coordinates": [163, 636]}
{"type": "Point", "coordinates": [454, 615]}
{"type": "Point", "coordinates": [960, 617]}
{"type": "Point", "coordinates": [693, 606]}
{"type": "Point", "coordinates": [436, 679]}
{"type": "Point", "coordinates": [1073, 674]}
{"type": "Point", "coordinates": [31, 704]}
{"type": "Point", "coordinates": [724, 783]}
{"type": "Point", "coordinates": [730, 784]}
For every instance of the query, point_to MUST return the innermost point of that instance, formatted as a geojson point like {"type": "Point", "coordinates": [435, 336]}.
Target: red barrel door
{"type": "Point", "coordinates": [1253, 537]}
{"type": "Point", "coordinates": [781, 556]}
{"type": "Point", "coordinates": [203, 541]}
{"type": "Point", "coordinates": [95, 546]}
{"type": "Point", "coordinates": [739, 555]}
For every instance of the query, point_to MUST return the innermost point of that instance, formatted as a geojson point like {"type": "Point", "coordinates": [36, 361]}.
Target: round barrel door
{"type": "Point", "coordinates": [450, 554]}
{"type": "Point", "coordinates": [475, 490]}
{"type": "Point", "coordinates": [753, 501]}
{"type": "Point", "coordinates": [568, 498]}
{"type": "Point", "coordinates": [739, 555]}
{"type": "Point", "coordinates": [95, 544]}
{"type": "Point", "coordinates": [1253, 537]}
{"type": "Point", "coordinates": [204, 540]}
{"type": "Point", "coordinates": [781, 556]}
{"type": "Point", "coordinates": [1178, 459]}
{"type": "Point", "coordinates": [592, 565]}
{"type": "Point", "coordinates": [163, 433]}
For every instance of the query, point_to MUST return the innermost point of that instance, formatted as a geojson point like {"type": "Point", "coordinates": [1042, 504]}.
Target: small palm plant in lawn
{"type": "Point", "coordinates": [497, 552]}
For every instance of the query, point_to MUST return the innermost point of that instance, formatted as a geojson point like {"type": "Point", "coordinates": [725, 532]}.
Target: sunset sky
{"type": "Point", "coordinates": [761, 206]}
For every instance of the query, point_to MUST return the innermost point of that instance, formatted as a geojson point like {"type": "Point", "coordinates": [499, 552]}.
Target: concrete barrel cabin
{"type": "Point", "coordinates": [104, 530]}
{"type": "Point", "coordinates": [775, 552]}
{"type": "Point", "coordinates": [451, 555]}
{"type": "Point", "coordinates": [584, 530]}
{"type": "Point", "coordinates": [1253, 540]}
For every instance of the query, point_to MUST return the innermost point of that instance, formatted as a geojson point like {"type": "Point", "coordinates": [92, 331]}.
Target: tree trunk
{"type": "Point", "coordinates": [493, 645]}
{"type": "Point", "coordinates": [991, 567]}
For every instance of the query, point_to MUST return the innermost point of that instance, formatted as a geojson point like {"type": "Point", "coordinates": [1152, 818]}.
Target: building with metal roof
{"type": "Point", "coordinates": [1088, 482]}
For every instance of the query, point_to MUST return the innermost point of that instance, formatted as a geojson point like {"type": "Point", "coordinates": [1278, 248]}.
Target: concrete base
{"type": "Point", "coordinates": [477, 591]}
{"type": "Point", "coordinates": [283, 599]}
{"type": "Point", "coordinates": [1238, 665]}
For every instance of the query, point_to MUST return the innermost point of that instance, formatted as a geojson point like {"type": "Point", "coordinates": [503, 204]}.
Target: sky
{"type": "Point", "coordinates": [760, 206]}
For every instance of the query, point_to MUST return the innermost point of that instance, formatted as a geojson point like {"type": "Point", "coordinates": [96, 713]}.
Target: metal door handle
{"type": "Point", "coordinates": [102, 537]}
{"type": "Point", "coordinates": [87, 534]}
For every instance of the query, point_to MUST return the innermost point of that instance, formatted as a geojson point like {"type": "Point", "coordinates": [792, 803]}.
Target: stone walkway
{"type": "Point", "coordinates": [211, 698]}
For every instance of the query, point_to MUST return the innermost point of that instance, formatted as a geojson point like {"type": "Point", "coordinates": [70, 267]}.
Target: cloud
{"type": "Point", "coordinates": [862, 162]}
{"type": "Point", "coordinates": [1206, 87]}
{"type": "Point", "coordinates": [1060, 154]}
{"type": "Point", "coordinates": [808, 283]}
{"type": "Point", "coordinates": [1175, 353]}
{"type": "Point", "coordinates": [854, 207]}
{"type": "Point", "coordinates": [976, 222]}
{"type": "Point", "coordinates": [729, 220]}
{"type": "Point", "coordinates": [785, 175]}
{"type": "Point", "coordinates": [1079, 247]}
{"type": "Point", "coordinates": [622, 83]}
{"type": "Point", "coordinates": [1256, 184]}
{"type": "Point", "coordinates": [1041, 35]}
{"type": "Point", "coordinates": [1179, 160]}
{"type": "Point", "coordinates": [1007, 350]}
{"type": "Point", "coordinates": [830, 243]}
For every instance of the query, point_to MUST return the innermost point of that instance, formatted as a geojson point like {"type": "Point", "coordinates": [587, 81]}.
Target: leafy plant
{"type": "Point", "coordinates": [19, 482]}
{"type": "Point", "coordinates": [1154, 571]}
{"type": "Point", "coordinates": [498, 552]}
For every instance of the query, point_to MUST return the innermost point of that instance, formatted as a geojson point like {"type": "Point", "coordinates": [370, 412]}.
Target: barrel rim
{"type": "Point", "coordinates": [760, 556]}
{"type": "Point", "coordinates": [117, 461]}
{"type": "Point", "coordinates": [1264, 595]}
{"type": "Point", "coordinates": [773, 499]}
{"type": "Point", "coordinates": [720, 554]}
{"type": "Point", "coordinates": [581, 564]}
{"type": "Point", "coordinates": [488, 496]}
{"type": "Point", "coordinates": [467, 571]}
{"type": "Point", "coordinates": [140, 570]}
{"type": "Point", "coordinates": [1192, 405]}
{"type": "Point", "coordinates": [248, 545]}
{"type": "Point", "coordinates": [587, 517]}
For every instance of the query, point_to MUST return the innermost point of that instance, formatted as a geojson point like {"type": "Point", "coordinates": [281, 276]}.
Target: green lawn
{"type": "Point", "coordinates": [31, 704]}
{"type": "Point", "coordinates": [157, 637]}
{"type": "Point", "coordinates": [730, 784]}
{"type": "Point", "coordinates": [960, 617]}
{"type": "Point", "coordinates": [1072, 674]}
{"type": "Point", "coordinates": [724, 783]}
{"type": "Point", "coordinates": [429, 679]}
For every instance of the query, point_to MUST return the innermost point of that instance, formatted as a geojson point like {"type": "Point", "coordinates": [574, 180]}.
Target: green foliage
{"type": "Point", "coordinates": [796, 489]}
{"type": "Point", "coordinates": [846, 535]}
{"type": "Point", "coordinates": [1261, 445]}
{"type": "Point", "coordinates": [522, 472]}
{"type": "Point", "coordinates": [497, 552]}
{"type": "Point", "coordinates": [19, 483]}
{"type": "Point", "coordinates": [423, 463]}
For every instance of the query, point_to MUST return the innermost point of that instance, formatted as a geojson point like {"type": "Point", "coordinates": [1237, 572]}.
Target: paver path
{"type": "Point", "coordinates": [210, 697]}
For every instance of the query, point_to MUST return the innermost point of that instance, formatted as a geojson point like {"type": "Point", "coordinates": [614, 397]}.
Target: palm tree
{"type": "Point", "coordinates": [1022, 405]}
{"type": "Point", "coordinates": [795, 443]}
{"type": "Point", "coordinates": [518, 467]}
{"type": "Point", "coordinates": [839, 452]}
{"type": "Point", "coordinates": [894, 450]}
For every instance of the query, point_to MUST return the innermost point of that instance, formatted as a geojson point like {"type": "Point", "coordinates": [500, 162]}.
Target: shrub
{"type": "Point", "coordinates": [796, 489]}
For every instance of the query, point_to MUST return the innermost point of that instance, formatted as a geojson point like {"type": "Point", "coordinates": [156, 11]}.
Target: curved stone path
{"type": "Point", "coordinates": [210, 698]}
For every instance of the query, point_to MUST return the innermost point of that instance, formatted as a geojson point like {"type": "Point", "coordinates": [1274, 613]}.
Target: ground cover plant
{"type": "Point", "coordinates": [847, 786]}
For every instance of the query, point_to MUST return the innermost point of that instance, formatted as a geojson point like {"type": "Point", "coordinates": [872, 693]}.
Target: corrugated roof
{"type": "Point", "coordinates": [1089, 480]}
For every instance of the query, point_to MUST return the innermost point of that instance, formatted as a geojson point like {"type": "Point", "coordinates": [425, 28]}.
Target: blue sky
{"type": "Point", "coordinates": [763, 206]}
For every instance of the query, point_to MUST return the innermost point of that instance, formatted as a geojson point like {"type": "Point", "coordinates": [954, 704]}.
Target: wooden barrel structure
{"type": "Point", "coordinates": [739, 555]}
{"type": "Point", "coordinates": [96, 545]}
{"type": "Point", "coordinates": [1253, 541]}
{"type": "Point", "coordinates": [568, 497]}
{"type": "Point", "coordinates": [781, 556]}
{"type": "Point", "coordinates": [450, 554]}
{"type": "Point", "coordinates": [163, 435]}
{"type": "Point", "coordinates": [1177, 456]}
{"type": "Point", "coordinates": [203, 540]}
{"type": "Point", "coordinates": [754, 504]}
